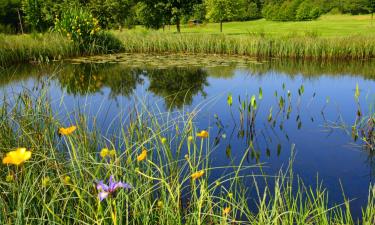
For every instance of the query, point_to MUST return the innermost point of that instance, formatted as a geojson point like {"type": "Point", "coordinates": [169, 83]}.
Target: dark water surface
{"type": "Point", "coordinates": [321, 94]}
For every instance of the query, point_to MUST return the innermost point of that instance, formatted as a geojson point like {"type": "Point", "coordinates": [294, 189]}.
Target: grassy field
{"type": "Point", "coordinates": [325, 26]}
{"type": "Point", "coordinates": [332, 36]}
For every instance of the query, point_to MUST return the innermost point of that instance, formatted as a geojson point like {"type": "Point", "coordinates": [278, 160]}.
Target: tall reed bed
{"type": "Point", "coordinates": [163, 157]}
{"type": "Point", "coordinates": [51, 46]}
{"type": "Point", "coordinates": [302, 47]}
{"type": "Point", "coordinates": [37, 47]}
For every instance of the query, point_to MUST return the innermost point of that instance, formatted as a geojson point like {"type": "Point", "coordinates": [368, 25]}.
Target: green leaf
{"type": "Point", "coordinates": [230, 99]}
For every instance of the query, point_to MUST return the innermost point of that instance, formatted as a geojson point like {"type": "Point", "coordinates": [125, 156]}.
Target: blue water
{"type": "Point", "coordinates": [322, 150]}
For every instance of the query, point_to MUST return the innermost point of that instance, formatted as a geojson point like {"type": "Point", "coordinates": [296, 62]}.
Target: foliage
{"type": "Point", "coordinates": [79, 26]}
{"type": "Point", "coordinates": [9, 21]}
{"type": "Point", "coordinates": [110, 13]}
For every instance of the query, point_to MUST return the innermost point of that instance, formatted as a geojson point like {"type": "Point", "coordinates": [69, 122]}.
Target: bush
{"type": "Point", "coordinates": [79, 26]}
{"type": "Point", "coordinates": [83, 29]}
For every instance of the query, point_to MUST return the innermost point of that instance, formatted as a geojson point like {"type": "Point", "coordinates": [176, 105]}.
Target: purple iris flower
{"type": "Point", "coordinates": [110, 189]}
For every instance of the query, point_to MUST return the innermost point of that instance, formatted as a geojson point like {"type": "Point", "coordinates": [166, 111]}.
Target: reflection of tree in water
{"type": "Point", "coordinates": [176, 85]}
{"type": "Point", "coordinates": [91, 78]}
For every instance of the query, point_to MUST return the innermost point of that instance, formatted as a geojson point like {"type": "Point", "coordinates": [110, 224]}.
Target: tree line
{"type": "Point", "coordinates": [39, 15]}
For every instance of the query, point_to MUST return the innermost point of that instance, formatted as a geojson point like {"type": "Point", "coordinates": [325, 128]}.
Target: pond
{"type": "Point", "coordinates": [306, 104]}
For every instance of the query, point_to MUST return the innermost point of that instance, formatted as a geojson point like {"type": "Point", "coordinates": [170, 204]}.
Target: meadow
{"type": "Point", "coordinates": [325, 26]}
{"type": "Point", "coordinates": [331, 37]}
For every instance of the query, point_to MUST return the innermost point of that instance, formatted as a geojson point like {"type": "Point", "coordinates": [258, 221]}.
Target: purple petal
{"type": "Point", "coordinates": [121, 185]}
{"type": "Point", "coordinates": [103, 195]}
{"type": "Point", "coordinates": [100, 186]}
{"type": "Point", "coordinates": [112, 183]}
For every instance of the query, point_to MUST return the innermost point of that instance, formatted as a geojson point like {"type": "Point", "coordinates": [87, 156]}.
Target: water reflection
{"type": "Point", "coordinates": [92, 78]}
{"type": "Point", "coordinates": [177, 86]}
{"type": "Point", "coordinates": [288, 113]}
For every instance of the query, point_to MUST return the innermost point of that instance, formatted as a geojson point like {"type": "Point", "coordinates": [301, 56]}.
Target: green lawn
{"type": "Point", "coordinates": [326, 26]}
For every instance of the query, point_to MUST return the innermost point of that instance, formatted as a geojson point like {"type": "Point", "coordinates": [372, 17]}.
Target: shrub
{"type": "Point", "coordinates": [83, 29]}
{"type": "Point", "coordinates": [79, 26]}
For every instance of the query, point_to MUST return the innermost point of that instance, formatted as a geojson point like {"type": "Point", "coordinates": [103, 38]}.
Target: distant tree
{"type": "Point", "coordinates": [169, 10]}
{"type": "Point", "coordinates": [111, 13]}
{"type": "Point", "coordinates": [371, 4]}
{"type": "Point", "coordinates": [10, 13]}
{"type": "Point", "coordinates": [222, 10]}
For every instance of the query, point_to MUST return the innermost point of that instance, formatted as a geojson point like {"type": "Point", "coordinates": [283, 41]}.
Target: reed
{"type": "Point", "coordinates": [288, 46]}
{"type": "Point", "coordinates": [170, 183]}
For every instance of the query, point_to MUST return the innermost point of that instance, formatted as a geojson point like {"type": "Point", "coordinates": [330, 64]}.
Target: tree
{"type": "Point", "coordinates": [222, 10]}
{"type": "Point", "coordinates": [9, 15]}
{"type": "Point", "coordinates": [111, 13]}
{"type": "Point", "coordinates": [170, 10]}
{"type": "Point", "coordinates": [371, 4]}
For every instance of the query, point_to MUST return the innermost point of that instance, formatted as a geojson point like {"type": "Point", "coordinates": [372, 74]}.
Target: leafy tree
{"type": "Point", "coordinates": [153, 15]}
{"type": "Point", "coordinates": [110, 13]}
{"type": "Point", "coordinates": [10, 15]}
{"type": "Point", "coordinates": [222, 10]}
{"type": "Point", "coordinates": [167, 10]}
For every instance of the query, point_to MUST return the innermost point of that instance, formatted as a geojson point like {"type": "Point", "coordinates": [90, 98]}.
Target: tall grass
{"type": "Point", "coordinates": [301, 47]}
{"type": "Point", "coordinates": [57, 186]}
{"type": "Point", "coordinates": [45, 47]}
{"type": "Point", "coordinates": [37, 47]}
{"type": "Point", "coordinates": [50, 46]}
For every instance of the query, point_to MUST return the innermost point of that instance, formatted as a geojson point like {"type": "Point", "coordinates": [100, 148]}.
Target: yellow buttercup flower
{"type": "Point", "coordinates": [163, 140]}
{"type": "Point", "coordinates": [67, 180]}
{"type": "Point", "coordinates": [203, 134]}
{"type": "Point", "coordinates": [17, 157]}
{"type": "Point", "coordinates": [104, 152]}
{"type": "Point", "coordinates": [67, 131]}
{"type": "Point", "coordinates": [190, 138]}
{"type": "Point", "coordinates": [112, 152]}
{"type": "Point", "coordinates": [197, 175]}
{"type": "Point", "coordinates": [9, 178]}
{"type": "Point", "coordinates": [226, 211]}
{"type": "Point", "coordinates": [142, 156]}
{"type": "Point", "coordinates": [46, 181]}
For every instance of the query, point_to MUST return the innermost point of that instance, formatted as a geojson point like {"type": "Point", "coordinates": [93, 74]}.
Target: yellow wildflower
{"type": "Point", "coordinates": [190, 138]}
{"type": "Point", "coordinates": [45, 181]}
{"type": "Point", "coordinates": [9, 178]}
{"type": "Point", "coordinates": [142, 156]}
{"type": "Point", "coordinates": [230, 195]}
{"type": "Point", "coordinates": [104, 152]}
{"type": "Point", "coordinates": [67, 180]}
{"type": "Point", "coordinates": [17, 157]}
{"type": "Point", "coordinates": [163, 140]}
{"type": "Point", "coordinates": [160, 204]}
{"type": "Point", "coordinates": [197, 175]}
{"type": "Point", "coordinates": [226, 211]}
{"type": "Point", "coordinates": [67, 131]}
{"type": "Point", "coordinates": [112, 152]}
{"type": "Point", "coordinates": [202, 134]}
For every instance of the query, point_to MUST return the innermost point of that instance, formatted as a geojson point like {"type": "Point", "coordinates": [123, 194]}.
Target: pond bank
{"type": "Point", "coordinates": [47, 47]}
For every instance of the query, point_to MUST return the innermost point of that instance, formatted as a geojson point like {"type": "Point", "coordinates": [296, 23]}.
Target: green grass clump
{"type": "Point", "coordinates": [355, 47]}
{"type": "Point", "coordinates": [51, 46]}
{"type": "Point", "coordinates": [57, 185]}
{"type": "Point", "coordinates": [38, 47]}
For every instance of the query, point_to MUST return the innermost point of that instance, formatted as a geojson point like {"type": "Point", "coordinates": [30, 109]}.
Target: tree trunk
{"type": "Point", "coordinates": [19, 18]}
{"type": "Point", "coordinates": [221, 26]}
{"type": "Point", "coordinates": [178, 25]}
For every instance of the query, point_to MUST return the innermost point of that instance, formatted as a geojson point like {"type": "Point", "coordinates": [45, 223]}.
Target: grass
{"type": "Point", "coordinates": [38, 47]}
{"type": "Point", "coordinates": [325, 26]}
{"type": "Point", "coordinates": [57, 185]}
{"type": "Point", "coordinates": [330, 37]}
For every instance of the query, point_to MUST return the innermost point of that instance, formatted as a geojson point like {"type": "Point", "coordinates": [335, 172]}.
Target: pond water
{"type": "Point", "coordinates": [321, 98]}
